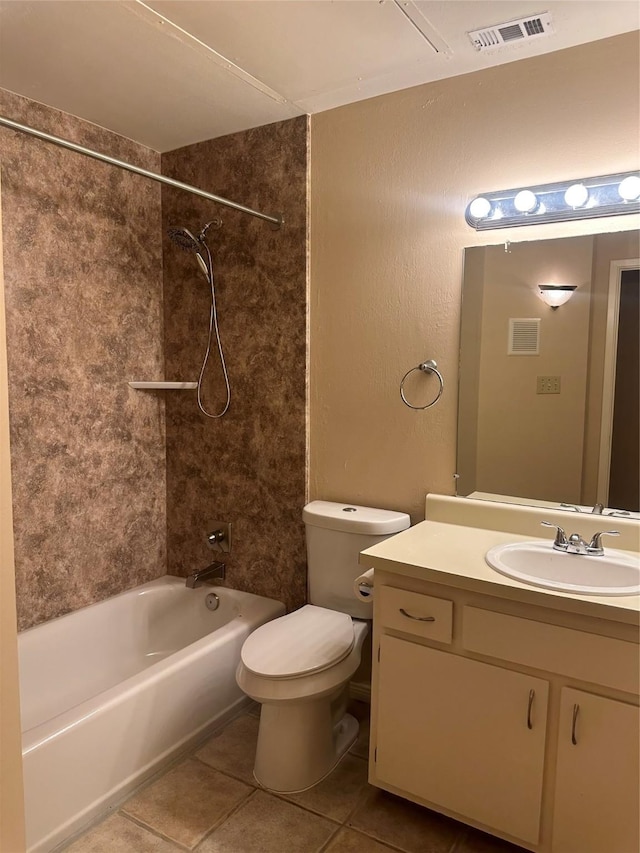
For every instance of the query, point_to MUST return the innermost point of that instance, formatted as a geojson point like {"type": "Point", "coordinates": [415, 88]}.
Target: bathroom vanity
{"type": "Point", "coordinates": [510, 707]}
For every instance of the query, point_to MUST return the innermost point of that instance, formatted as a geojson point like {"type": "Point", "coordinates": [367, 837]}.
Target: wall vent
{"type": "Point", "coordinates": [524, 336]}
{"type": "Point", "coordinates": [511, 32]}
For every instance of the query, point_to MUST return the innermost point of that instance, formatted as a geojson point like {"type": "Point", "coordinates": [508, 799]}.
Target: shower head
{"type": "Point", "coordinates": [184, 238]}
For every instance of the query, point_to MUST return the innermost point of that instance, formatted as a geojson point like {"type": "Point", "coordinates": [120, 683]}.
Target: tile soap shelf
{"type": "Point", "coordinates": [163, 386]}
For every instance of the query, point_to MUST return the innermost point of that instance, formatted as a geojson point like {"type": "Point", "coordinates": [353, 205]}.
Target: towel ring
{"type": "Point", "coordinates": [426, 367]}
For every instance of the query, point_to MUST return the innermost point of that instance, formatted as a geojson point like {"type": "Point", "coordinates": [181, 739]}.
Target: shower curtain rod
{"type": "Point", "coordinates": [275, 221]}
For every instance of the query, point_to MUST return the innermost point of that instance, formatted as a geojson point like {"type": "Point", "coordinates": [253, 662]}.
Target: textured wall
{"type": "Point", "coordinates": [249, 467]}
{"type": "Point", "coordinates": [515, 455]}
{"type": "Point", "coordinates": [390, 180]}
{"type": "Point", "coordinates": [83, 279]}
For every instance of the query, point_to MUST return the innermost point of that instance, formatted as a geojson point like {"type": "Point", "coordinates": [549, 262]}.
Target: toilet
{"type": "Point", "coordinates": [299, 666]}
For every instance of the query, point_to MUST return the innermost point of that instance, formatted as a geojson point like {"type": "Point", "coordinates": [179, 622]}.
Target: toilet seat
{"type": "Point", "coordinates": [307, 641]}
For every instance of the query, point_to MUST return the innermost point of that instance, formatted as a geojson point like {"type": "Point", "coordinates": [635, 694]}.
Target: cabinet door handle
{"type": "Point", "coordinates": [417, 618]}
{"type": "Point", "coordinates": [532, 696]}
{"type": "Point", "coordinates": [574, 721]}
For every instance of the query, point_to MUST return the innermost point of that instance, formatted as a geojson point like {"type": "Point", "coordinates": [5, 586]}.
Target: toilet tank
{"type": "Point", "coordinates": [336, 533]}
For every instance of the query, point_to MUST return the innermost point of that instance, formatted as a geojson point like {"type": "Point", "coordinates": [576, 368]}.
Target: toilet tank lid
{"type": "Point", "coordinates": [355, 519]}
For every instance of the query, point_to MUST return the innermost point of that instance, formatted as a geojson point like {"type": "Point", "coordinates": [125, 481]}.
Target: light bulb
{"type": "Point", "coordinates": [576, 195]}
{"type": "Point", "coordinates": [480, 207]}
{"type": "Point", "coordinates": [525, 201]}
{"type": "Point", "coordinates": [629, 189]}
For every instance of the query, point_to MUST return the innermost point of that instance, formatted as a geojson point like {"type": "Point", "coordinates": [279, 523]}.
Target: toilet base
{"type": "Point", "coordinates": [300, 744]}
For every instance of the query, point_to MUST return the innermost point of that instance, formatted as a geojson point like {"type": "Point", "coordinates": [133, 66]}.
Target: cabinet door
{"type": "Point", "coordinates": [597, 791]}
{"type": "Point", "coordinates": [463, 735]}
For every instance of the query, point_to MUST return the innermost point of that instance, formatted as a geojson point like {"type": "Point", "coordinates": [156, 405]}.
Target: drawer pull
{"type": "Point", "coordinates": [532, 695]}
{"type": "Point", "coordinates": [574, 721]}
{"type": "Point", "coordinates": [417, 618]}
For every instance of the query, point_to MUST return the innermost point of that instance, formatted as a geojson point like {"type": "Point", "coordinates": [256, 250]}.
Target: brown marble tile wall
{"type": "Point", "coordinates": [83, 279]}
{"type": "Point", "coordinates": [248, 467]}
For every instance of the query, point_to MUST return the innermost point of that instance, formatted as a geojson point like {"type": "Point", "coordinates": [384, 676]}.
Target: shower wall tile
{"type": "Point", "coordinates": [248, 467]}
{"type": "Point", "coordinates": [83, 280]}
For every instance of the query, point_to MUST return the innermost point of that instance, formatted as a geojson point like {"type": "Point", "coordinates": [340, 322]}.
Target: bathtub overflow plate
{"type": "Point", "coordinates": [212, 601]}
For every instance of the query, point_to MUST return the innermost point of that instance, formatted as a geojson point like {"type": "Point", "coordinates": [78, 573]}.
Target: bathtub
{"type": "Point", "coordinates": [113, 691]}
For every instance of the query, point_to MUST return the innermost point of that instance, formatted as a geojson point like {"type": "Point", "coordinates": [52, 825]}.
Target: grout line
{"type": "Point", "coordinates": [226, 773]}
{"type": "Point", "coordinates": [284, 799]}
{"type": "Point", "coordinates": [360, 800]}
{"type": "Point", "coordinates": [329, 840]}
{"type": "Point", "coordinates": [224, 820]}
{"type": "Point", "coordinates": [153, 831]}
{"type": "Point", "coordinates": [389, 844]}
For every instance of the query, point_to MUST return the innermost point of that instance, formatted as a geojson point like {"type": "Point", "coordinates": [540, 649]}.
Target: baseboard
{"type": "Point", "coordinates": [361, 692]}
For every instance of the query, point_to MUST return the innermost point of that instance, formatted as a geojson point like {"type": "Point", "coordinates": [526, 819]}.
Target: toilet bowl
{"type": "Point", "coordinates": [298, 667]}
{"type": "Point", "coordinates": [302, 684]}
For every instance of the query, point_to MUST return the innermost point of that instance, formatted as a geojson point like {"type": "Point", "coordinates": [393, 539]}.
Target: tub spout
{"type": "Point", "coordinates": [214, 571]}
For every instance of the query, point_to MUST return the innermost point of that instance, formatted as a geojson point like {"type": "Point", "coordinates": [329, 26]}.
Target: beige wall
{"type": "Point", "coordinates": [11, 800]}
{"type": "Point", "coordinates": [390, 179]}
{"type": "Point", "coordinates": [530, 444]}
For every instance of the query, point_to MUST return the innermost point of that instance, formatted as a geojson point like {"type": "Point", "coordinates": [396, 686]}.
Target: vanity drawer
{"type": "Point", "coordinates": [589, 657]}
{"type": "Point", "coordinates": [413, 613]}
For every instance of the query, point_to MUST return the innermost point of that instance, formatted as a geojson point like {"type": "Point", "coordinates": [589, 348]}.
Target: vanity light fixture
{"type": "Point", "coordinates": [556, 294]}
{"type": "Point", "coordinates": [606, 195]}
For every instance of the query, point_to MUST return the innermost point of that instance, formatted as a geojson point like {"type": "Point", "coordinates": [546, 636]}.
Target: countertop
{"type": "Point", "coordinates": [454, 555]}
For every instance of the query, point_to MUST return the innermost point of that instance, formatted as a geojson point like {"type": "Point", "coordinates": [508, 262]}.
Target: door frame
{"type": "Point", "coordinates": [616, 269]}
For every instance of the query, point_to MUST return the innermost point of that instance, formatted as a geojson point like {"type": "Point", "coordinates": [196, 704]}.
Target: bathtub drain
{"type": "Point", "coordinates": [212, 601]}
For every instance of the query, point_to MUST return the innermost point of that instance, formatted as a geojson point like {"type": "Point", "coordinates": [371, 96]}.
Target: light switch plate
{"type": "Point", "coordinates": [548, 385]}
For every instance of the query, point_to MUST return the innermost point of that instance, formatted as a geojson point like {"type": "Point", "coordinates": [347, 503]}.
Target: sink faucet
{"type": "Point", "coordinates": [575, 544]}
{"type": "Point", "coordinates": [213, 571]}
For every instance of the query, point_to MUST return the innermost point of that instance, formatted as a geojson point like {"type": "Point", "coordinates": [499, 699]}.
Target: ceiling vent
{"type": "Point", "coordinates": [512, 32]}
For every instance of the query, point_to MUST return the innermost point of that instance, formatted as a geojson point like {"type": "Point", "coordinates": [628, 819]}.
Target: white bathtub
{"type": "Point", "coordinates": [114, 690]}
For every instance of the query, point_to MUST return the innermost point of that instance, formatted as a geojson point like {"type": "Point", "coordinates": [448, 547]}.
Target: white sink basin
{"type": "Point", "coordinates": [537, 563]}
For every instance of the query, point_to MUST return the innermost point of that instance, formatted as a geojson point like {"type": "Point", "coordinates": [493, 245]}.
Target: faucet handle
{"type": "Point", "coordinates": [595, 546]}
{"type": "Point", "coordinates": [561, 540]}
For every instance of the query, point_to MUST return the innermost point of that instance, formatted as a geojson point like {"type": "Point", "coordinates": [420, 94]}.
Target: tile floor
{"type": "Point", "coordinates": [209, 802]}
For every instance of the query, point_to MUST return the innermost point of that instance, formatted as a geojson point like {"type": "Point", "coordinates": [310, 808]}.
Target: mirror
{"type": "Point", "coordinates": [548, 406]}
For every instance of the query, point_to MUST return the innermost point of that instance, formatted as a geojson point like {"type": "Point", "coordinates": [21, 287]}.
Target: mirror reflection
{"type": "Point", "coordinates": [548, 408]}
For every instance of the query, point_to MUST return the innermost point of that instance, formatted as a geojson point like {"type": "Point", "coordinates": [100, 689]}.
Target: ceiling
{"type": "Point", "coordinates": [169, 73]}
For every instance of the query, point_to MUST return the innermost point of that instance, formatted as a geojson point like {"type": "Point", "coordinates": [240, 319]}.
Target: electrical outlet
{"type": "Point", "coordinates": [548, 385]}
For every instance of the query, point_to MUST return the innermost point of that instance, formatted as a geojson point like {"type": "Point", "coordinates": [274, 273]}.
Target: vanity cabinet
{"type": "Point", "coordinates": [596, 794]}
{"type": "Point", "coordinates": [519, 720]}
{"type": "Point", "coordinates": [465, 735]}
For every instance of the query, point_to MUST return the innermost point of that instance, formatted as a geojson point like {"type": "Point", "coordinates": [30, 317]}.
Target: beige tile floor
{"type": "Point", "coordinates": [209, 802]}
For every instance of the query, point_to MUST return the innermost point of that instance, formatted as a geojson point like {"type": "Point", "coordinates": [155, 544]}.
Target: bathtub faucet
{"type": "Point", "coordinates": [214, 571]}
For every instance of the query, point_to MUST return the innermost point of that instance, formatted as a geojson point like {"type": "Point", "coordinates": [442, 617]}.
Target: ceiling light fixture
{"type": "Point", "coordinates": [556, 294]}
{"type": "Point", "coordinates": [606, 195]}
